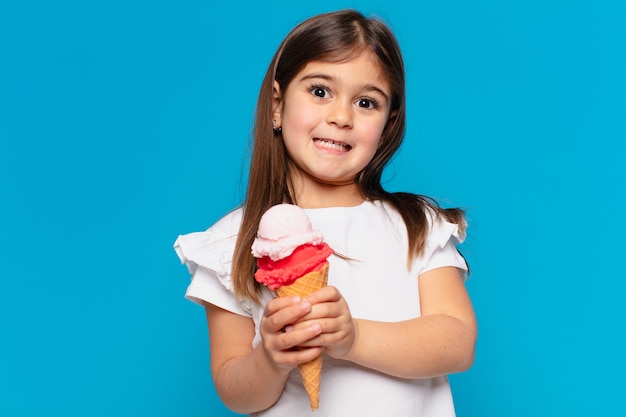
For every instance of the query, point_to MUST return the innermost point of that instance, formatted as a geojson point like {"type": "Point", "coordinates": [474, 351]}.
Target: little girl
{"type": "Point", "coordinates": [395, 318]}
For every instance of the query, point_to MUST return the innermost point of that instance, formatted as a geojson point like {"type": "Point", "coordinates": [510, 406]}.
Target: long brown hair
{"type": "Point", "coordinates": [331, 37]}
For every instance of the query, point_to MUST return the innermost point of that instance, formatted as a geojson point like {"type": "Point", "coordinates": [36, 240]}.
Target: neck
{"type": "Point", "coordinates": [315, 194]}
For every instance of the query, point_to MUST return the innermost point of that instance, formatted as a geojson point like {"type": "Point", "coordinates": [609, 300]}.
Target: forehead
{"type": "Point", "coordinates": [363, 68]}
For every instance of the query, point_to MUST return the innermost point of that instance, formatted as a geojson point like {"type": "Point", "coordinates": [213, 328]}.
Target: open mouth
{"type": "Point", "coordinates": [333, 145]}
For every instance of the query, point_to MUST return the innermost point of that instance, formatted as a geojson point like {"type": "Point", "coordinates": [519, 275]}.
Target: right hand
{"type": "Point", "coordinates": [282, 348]}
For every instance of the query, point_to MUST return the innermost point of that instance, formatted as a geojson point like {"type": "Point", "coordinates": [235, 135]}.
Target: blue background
{"type": "Point", "coordinates": [126, 123]}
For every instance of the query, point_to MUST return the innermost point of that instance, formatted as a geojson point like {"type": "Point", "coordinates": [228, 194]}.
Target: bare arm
{"type": "Point", "coordinates": [247, 379]}
{"type": "Point", "coordinates": [439, 342]}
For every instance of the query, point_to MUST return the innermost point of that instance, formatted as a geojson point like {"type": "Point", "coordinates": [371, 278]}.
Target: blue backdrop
{"type": "Point", "coordinates": [126, 123]}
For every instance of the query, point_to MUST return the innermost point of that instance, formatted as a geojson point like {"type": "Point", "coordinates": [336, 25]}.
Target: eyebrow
{"type": "Point", "coordinates": [368, 87]}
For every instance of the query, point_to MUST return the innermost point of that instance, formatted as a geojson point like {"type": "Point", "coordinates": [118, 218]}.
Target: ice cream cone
{"type": "Point", "coordinates": [311, 372]}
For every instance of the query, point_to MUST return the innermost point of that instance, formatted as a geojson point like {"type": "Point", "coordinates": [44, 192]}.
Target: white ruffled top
{"type": "Point", "coordinates": [373, 279]}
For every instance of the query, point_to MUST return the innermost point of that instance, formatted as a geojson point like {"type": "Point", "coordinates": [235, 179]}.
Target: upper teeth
{"type": "Point", "coordinates": [333, 145]}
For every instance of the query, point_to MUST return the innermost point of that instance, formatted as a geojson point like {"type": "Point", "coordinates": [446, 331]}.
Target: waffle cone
{"type": "Point", "coordinates": [311, 372]}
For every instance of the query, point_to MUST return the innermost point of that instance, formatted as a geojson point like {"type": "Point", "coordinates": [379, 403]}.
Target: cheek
{"type": "Point", "coordinates": [300, 119]}
{"type": "Point", "coordinates": [373, 133]}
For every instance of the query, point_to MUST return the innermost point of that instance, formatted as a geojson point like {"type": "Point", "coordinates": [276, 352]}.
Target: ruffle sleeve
{"type": "Point", "coordinates": [208, 257]}
{"type": "Point", "coordinates": [441, 246]}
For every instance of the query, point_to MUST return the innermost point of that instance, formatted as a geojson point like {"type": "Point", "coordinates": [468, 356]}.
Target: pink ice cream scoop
{"type": "Point", "coordinates": [282, 229]}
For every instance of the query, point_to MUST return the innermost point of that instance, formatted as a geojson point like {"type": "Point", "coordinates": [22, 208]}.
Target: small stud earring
{"type": "Point", "coordinates": [279, 129]}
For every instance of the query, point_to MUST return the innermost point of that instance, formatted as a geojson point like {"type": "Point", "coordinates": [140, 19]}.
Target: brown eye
{"type": "Point", "coordinates": [366, 103]}
{"type": "Point", "coordinates": [319, 91]}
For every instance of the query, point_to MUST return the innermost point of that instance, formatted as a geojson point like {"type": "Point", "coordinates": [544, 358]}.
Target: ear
{"type": "Point", "coordinates": [276, 106]}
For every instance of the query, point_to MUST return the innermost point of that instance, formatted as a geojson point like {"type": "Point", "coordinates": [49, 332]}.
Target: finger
{"type": "Point", "coordinates": [324, 295]}
{"type": "Point", "coordinates": [281, 343]}
{"type": "Point", "coordinates": [294, 356]}
{"type": "Point", "coordinates": [300, 355]}
{"type": "Point", "coordinates": [335, 343]}
{"type": "Point", "coordinates": [327, 310]}
{"type": "Point", "coordinates": [325, 326]}
{"type": "Point", "coordinates": [297, 335]}
{"type": "Point", "coordinates": [291, 313]}
{"type": "Point", "coordinates": [279, 303]}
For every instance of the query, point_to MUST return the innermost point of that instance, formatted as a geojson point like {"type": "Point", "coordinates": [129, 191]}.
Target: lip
{"type": "Point", "coordinates": [332, 145]}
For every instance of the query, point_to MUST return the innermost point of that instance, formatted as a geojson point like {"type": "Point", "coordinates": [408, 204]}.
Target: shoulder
{"type": "Point", "coordinates": [441, 236]}
{"type": "Point", "coordinates": [213, 247]}
{"type": "Point", "coordinates": [225, 228]}
{"type": "Point", "coordinates": [436, 221]}
{"type": "Point", "coordinates": [229, 224]}
{"type": "Point", "coordinates": [440, 246]}
{"type": "Point", "coordinates": [439, 227]}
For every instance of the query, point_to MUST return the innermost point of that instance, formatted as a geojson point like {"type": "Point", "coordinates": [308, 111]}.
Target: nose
{"type": "Point", "coordinates": [340, 114]}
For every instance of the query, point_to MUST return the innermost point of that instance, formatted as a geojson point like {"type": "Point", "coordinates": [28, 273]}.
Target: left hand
{"type": "Point", "coordinates": [329, 310]}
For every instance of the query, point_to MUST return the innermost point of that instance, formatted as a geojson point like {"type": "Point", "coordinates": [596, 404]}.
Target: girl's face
{"type": "Point", "coordinates": [332, 116]}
